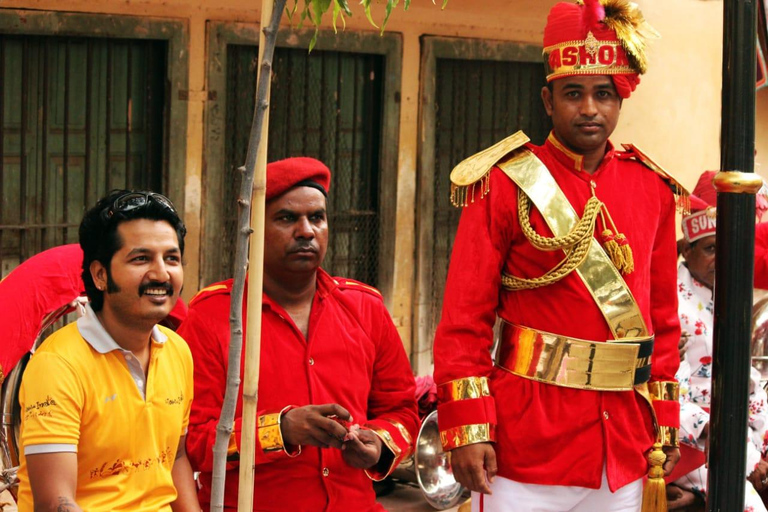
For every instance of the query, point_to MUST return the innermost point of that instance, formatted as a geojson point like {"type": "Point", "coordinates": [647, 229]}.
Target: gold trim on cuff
{"type": "Point", "coordinates": [467, 434]}
{"type": "Point", "coordinates": [464, 389]}
{"type": "Point", "coordinates": [668, 436]}
{"type": "Point", "coordinates": [270, 435]}
{"type": "Point", "coordinates": [664, 390]}
{"type": "Point", "coordinates": [403, 431]}
{"type": "Point", "coordinates": [387, 441]}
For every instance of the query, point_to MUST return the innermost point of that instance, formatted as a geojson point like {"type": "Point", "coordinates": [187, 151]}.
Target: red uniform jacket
{"type": "Point", "coordinates": [761, 255]}
{"type": "Point", "coordinates": [353, 357]}
{"type": "Point", "coordinates": [548, 434]}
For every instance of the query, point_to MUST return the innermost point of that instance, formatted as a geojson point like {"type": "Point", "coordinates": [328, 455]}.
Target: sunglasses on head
{"type": "Point", "coordinates": [132, 200]}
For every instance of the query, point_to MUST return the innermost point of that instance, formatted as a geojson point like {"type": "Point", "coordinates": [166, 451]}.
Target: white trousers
{"type": "Point", "coordinates": [511, 496]}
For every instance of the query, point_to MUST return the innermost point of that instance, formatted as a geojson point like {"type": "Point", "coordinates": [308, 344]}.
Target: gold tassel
{"type": "Point", "coordinates": [655, 493]}
{"type": "Point", "coordinates": [613, 249]}
{"type": "Point", "coordinates": [626, 252]}
{"type": "Point", "coordinates": [616, 246]}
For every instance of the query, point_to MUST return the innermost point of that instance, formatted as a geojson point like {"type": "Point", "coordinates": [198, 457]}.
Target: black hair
{"type": "Point", "coordinates": [99, 239]}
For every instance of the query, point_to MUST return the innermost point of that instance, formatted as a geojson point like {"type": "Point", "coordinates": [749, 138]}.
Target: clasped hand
{"type": "Point", "coordinates": [328, 426]}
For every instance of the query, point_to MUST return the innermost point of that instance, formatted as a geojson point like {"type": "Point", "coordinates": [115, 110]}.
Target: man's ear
{"type": "Point", "coordinates": [685, 249]}
{"type": "Point", "coordinates": [546, 98]}
{"type": "Point", "coordinates": [99, 275]}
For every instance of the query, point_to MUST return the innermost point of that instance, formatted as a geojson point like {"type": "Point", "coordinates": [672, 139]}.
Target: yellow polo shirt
{"type": "Point", "coordinates": [81, 392]}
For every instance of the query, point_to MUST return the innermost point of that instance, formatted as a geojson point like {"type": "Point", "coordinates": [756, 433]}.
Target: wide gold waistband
{"type": "Point", "coordinates": [614, 365]}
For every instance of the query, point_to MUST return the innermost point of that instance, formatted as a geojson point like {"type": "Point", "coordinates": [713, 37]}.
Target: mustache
{"type": "Point", "coordinates": [156, 284]}
{"type": "Point", "coordinates": [303, 247]}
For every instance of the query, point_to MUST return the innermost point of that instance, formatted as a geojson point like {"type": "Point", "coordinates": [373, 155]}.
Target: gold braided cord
{"type": "Point", "coordinates": [583, 229]}
{"type": "Point", "coordinates": [576, 244]}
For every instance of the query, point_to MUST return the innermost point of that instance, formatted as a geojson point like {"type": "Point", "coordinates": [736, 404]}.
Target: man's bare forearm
{"type": "Point", "coordinates": [62, 504]}
{"type": "Point", "coordinates": [183, 479]}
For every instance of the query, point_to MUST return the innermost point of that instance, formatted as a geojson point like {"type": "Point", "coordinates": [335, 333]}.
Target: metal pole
{"type": "Point", "coordinates": [734, 267]}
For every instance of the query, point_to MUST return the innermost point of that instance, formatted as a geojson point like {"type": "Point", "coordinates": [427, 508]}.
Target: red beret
{"type": "Point", "coordinates": [283, 175]}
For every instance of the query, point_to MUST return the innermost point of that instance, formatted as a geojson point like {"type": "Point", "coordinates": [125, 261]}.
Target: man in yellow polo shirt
{"type": "Point", "coordinates": [105, 401]}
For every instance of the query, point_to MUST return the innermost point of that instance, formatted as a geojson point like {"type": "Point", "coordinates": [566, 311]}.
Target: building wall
{"type": "Point", "coordinates": [674, 115]}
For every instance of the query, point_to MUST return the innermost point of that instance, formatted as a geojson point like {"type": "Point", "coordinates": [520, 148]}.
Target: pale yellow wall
{"type": "Point", "coordinates": [761, 133]}
{"type": "Point", "coordinates": [674, 115]}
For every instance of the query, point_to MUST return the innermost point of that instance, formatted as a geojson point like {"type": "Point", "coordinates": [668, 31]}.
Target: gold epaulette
{"type": "Point", "coordinates": [475, 171]}
{"type": "Point", "coordinates": [682, 196]}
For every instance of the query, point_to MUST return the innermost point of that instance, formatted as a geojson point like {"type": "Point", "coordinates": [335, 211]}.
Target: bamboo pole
{"type": "Point", "coordinates": [270, 22]}
{"type": "Point", "coordinates": [252, 189]}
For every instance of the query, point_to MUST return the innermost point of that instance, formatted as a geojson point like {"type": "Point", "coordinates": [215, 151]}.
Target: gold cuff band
{"type": "Point", "coordinates": [386, 439]}
{"type": "Point", "coordinates": [463, 389]}
{"type": "Point", "coordinates": [270, 435]}
{"type": "Point", "coordinates": [403, 432]}
{"type": "Point", "coordinates": [734, 182]}
{"type": "Point", "coordinates": [664, 390]}
{"type": "Point", "coordinates": [668, 436]}
{"type": "Point", "coordinates": [463, 435]}
{"type": "Point", "coordinates": [570, 362]}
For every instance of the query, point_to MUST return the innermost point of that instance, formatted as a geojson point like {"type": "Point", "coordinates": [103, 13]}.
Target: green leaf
{"type": "Point", "coordinates": [318, 9]}
{"type": "Point", "coordinates": [305, 13]}
{"type": "Point", "coordinates": [344, 5]}
{"type": "Point", "coordinates": [336, 12]}
{"type": "Point", "coordinates": [367, 5]}
{"type": "Point", "coordinates": [313, 42]}
{"type": "Point", "coordinates": [445, 2]}
{"type": "Point", "coordinates": [407, 4]}
{"type": "Point", "coordinates": [391, 4]}
{"type": "Point", "coordinates": [291, 11]}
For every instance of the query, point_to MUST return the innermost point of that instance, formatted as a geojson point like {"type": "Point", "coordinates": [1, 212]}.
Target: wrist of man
{"type": "Point", "coordinates": [289, 449]}
{"type": "Point", "coordinates": [388, 454]}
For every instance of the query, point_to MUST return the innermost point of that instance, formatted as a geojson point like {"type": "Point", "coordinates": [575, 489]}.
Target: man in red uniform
{"type": "Point", "coordinates": [562, 420]}
{"type": "Point", "coordinates": [329, 349]}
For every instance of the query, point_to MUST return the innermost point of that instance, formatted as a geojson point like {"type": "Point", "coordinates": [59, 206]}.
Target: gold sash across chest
{"type": "Point", "coordinates": [569, 361]}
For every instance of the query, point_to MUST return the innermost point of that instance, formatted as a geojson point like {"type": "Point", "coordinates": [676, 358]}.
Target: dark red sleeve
{"type": "Point", "coordinates": [392, 410]}
{"type": "Point", "coordinates": [210, 381]}
{"type": "Point", "coordinates": [761, 255]}
{"type": "Point", "coordinates": [464, 337]}
{"type": "Point", "coordinates": [664, 316]}
{"type": "Point", "coordinates": [206, 330]}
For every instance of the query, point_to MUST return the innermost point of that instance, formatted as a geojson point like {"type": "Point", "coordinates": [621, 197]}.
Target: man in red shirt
{"type": "Point", "coordinates": [572, 245]}
{"type": "Point", "coordinates": [336, 392]}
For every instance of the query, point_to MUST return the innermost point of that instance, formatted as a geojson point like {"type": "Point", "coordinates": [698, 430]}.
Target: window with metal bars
{"type": "Point", "coordinates": [478, 103]}
{"type": "Point", "coordinates": [78, 117]}
{"type": "Point", "coordinates": [325, 105]}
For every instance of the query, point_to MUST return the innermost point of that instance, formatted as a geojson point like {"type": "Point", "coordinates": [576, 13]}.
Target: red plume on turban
{"type": "Point", "coordinates": [592, 14]}
{"type": "Point", "coordinates": [597, 37]}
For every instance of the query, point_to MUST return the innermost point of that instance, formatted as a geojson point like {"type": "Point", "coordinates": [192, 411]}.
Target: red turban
{"type": "Point", "coordinates": [598, 37]}
{"type": "Point", "coordinates": [283, 175]}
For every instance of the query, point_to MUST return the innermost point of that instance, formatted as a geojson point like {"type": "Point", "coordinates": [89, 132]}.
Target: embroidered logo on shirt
{"type": "Point", "coordinates": [175, 401]}
{"type": "Point", "coordinates": [119, 466]}
{"type": "Point", "coordinates": [110, 398]}
{"type": "Point", "coordinates": [40, 408]}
